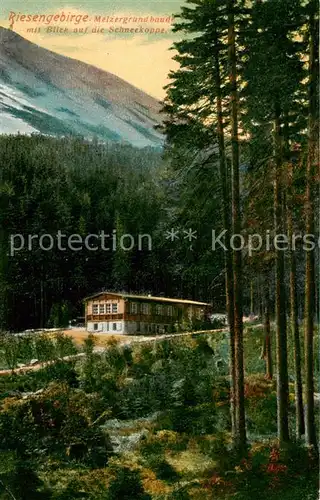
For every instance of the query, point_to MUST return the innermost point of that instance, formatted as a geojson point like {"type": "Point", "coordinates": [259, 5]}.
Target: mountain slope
{"type": "Point", "coordinates": [41, 91]}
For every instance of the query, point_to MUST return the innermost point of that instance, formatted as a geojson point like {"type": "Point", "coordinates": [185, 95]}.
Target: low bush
{"type": "Point", "coordinates": [125, 485]}
{"type": "Point", "coordinates": [56, 422]}
{"type": "Point", "coordinates": [198, 420]}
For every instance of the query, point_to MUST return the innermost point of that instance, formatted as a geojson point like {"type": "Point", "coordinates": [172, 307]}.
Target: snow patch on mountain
{"type": "Point", "coordinates": [43, 92]}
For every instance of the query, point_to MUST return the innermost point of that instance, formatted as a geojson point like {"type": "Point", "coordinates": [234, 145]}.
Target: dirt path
{"type": "Point", "coordinates": [122, 340]}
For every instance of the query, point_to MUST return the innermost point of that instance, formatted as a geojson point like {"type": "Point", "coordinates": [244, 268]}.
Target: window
{"type": "Point", "coordinates": [101, 308]}
{"type": "Point", "coordinates": [108, 308]}
{"type": "Point", "coordinates": [95, 309]}
{"type": "Point", "coordinates": [133, 307]}
{"type": "Point", "coordinates": [145, 308]}
{"type": "Point", "coordinates": [159, 310]}
{"type": "Point", "coordinates": [114, 308]}
{"type": "Point", "coordinates": [169, 311]}
{"type": "Point", "coordinates": [114, 326]}
{"type": "Point", "coordinates": [95, 326]}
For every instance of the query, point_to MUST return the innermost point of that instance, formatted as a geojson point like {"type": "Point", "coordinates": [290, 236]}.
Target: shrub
{"type": "Point", "coordinates": [180, 493]}
{"type": "Point", "coordinates": [116, 359]}
{"type": "Point", "coordinates": [262, 414]}
{"type": "Point", "coordinates": [24, 483]}
{"type": "Point", "coordinates": [44, 348]}
{"type": "Point", "coordinates": [26, 349]}
{"type": "Point", "coordinates": [9, 345]}
{"type": "Point", "coordinates": [61, 371]}
{"type": "Point", "coordinates": [64, 345]}
{"type": "Point", "coordinates": [199, 420]}
{"type": "Point", "coordinates": [59, 316]}
{"type": "Point", "coordinates": [164, 471]}
{"type": "Point", "coordinates": [215, 446]}
{"type": "Point", "coordinates": [126, 485]}
{"type": "Point", "coordinates": [143, 396]}
{"type": "Point", "coordinates": [153, 447]}
{"type": "Point", "coordinates": [57, 422]}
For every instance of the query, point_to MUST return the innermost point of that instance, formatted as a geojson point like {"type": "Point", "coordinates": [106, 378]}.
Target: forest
{"type": "Point", "coordinates": [227, 415]}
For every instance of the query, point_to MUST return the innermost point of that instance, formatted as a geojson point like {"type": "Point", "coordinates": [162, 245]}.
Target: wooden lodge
{"type": "Point", "coordinates": [122, 313]}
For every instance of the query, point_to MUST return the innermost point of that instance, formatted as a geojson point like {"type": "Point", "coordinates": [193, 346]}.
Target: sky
{"type": "Point", "coordinates": [141, 58]}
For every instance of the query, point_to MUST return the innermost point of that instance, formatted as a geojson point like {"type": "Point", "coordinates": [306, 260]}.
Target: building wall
{"type": "Point", "coordinates": [127, 327]}
{"type": "Point", "coordinates": [146, 328]}
{"type": "Point", "coordinates": [103, 300]}
{"type": "Point", "coordinates": [137, 315]}
{"type": "Point", "coordinates": [106, 327]}
{"type": "Point", "coordinates": [130, 327]}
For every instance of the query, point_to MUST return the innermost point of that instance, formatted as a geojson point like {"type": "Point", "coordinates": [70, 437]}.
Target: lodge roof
{"type": "Point", "coordinates": [147, 297]}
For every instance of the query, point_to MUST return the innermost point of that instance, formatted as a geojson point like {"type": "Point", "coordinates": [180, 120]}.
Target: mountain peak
{"type": "Point", "coordinates": [8, 35]}
{"type": "Point", "coordinates": [42, 91]}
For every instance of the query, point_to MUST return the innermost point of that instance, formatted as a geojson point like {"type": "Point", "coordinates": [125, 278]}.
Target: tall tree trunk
{"type": "Point", "coordinates": [4, 288]}
{"type": "Point", "coordinates": [261, 304]}
{"type": "Point", "coordinates": [227, 226]}
{"type": "Point", "coordinates": [281, 320]}
{"type": "Point", "coordinates": [251, 298]}
{"type": "Point", "coordinates": [267, 335]}
{"type": "Point", "coordinates": [41, 304]}
{"type": "Point", "coordinates": [300, 428]}
{"type": "Point", "coordinates": [240, 427]}
{"type": "Point", "coordinates": [310, 226]}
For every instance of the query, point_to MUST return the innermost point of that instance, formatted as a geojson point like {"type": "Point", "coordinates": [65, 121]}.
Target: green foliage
{"type": "Point", "coordinates": [164, 470]}
{"type": "Point", "coordinates": [267, 473]}
{"type": "Point", "coordinates": [198, 420]}
{"type": "Point", "coordinates": [22, 349]}
{"type": "Point", "coordinates": [9, 345]}
{"type": "Point", "coordinates": [60, 371]}
{"type": "Point", "coordinates": [89, 364]}
{"type": "Point", "coordinates": [183, 400]}
{"type": "Point", "coordinates": [44, 347]}
{"type": "Point", "coordinates": [49, 185]}
{"type": "Point", "coordinates": [215, 446]}
{"type": "Point", "coordinates": [126, 485]}
{"type": "Point", "coordinates": [180, 493]}
{"type": "Point", "coordinates": [57, 422]}
{"type": "Point", "coordinates": [172, 374]}
{"type": "Point", "coordinates": [23, 483]}
{"type": "Point", "coordinates": [67, 185]}
{"type": "Point", "coordinates": [32, 381]}
{"type": "Point", "coordinates": [59, 316]}
{"type": "Point", "coordinates": [64, 345]}
{"type": "Point", "coordinates": [156, 444]}
{"type": "Point", "coordinates": [261, 413]}
{"type": "Point", "coordinates": [26, 349]}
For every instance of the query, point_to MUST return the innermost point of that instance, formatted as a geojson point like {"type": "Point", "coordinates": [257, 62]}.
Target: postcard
{"type": "Point", "coordinates": [159, 250]}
